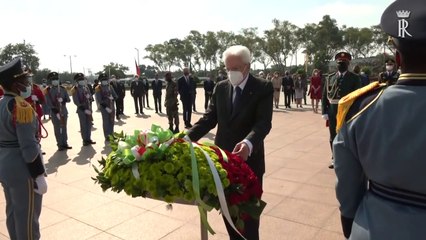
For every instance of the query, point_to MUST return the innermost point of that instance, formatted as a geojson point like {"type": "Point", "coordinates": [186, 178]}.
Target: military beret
{"type": "Point", "coordinates": [53, 76]}
{"type": "Point", "coordinates": [343, 56]}
{"type": "Point", "coordinates": [390, 62]}
{"type": "Point", "coordinates": [405, 19]}
{"type": "Point", "coordinates": [102, 76]}
{"type": "Point", "coordinates": [79, 76]}
{"type": "Point", "coordinates": [12, 70]}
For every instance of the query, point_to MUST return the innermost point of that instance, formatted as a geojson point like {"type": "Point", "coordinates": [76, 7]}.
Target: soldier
{"type": "Point", "coordinates": [81, 97]}
{"type": "Point", "coordinates": [171, 102]}
{"type": "Point", "coordinates": [120, 90]}
{"type": "Point", "coordinates": [22, 172]}
{"type": "Point", "coordinates": [146, 90]}
{"type": "Point", "coordinates": [390, 76]}
{"type": "Point", "coordinates": [35, 98]}
{"type": "Point", "coordinates": [337, 86]}
{"type": "Point", "coordinates": [105, 96]}
{"type": "Point", "coordinates": [379, 149]}
{"type": "Point", "coordinates": [56, 99]}
{"type": "Point", "coordinates": [137, 91]}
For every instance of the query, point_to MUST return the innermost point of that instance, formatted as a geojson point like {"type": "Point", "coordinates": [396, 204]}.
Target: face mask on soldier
{"type": "Point", "coordinates": [389, 67]}
{"type": "Point", "coordinates": [342, 66]}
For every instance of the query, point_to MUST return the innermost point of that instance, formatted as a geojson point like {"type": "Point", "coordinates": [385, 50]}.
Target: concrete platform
{"type": "Point", "coordinates": [298, 186]}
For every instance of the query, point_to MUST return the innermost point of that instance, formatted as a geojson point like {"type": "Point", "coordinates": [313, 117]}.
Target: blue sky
{"type": "Point", "coordinates": [100, 31]}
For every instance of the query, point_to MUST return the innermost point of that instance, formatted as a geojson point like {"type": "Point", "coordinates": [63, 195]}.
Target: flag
{"type": "Point", "coordinates": [138, 70]}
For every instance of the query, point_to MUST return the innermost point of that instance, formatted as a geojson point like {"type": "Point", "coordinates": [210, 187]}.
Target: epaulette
{"type": "Point", "coordinates": [45, 91]}
{"type": "Point", "coordinates": [346, 110]}
{"type": "Point", "coordinates": [98, 88]}
{"type": "Point", "coordinates": [23, 112]}
{"type": "Point", "coordinates": [73, 89]}
{"type": "Point", "coordinates": [331, 74]}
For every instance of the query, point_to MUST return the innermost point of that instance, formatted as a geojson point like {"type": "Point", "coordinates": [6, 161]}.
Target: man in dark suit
{"type": "Point", "coordinates": [242, 110]}
{"type": "Point", "coordinates": [137, 90]}
{"type": "Point", "coordinates": [208, 90]}
{"type": "Point", "coordinates": [288, 86]}
{"type": "Point", "coordinates": [157, 87]}
{"type": "Point", "coordinates": [120, 90]}
{"type": "Point", "coordinates": [186, 92]}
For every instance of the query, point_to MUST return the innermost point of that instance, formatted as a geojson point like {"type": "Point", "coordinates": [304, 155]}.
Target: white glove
{"type": "Point", "coordinates": [111, 98]}
{"type": "Point", "coordinates": [108, 110]}
{"type": "Point", "coordinates": [58, 116]}
{"type": "Point", "coordinates": [325, 117]}
{"type": "Point", "coordinates": [60, 100]}
{"type": "Point", "coordinates": [88, 96]}
{"type": "Point", "coordinates": [88, 112]}
{"type": "Point", "coordinates": [34, 98]}
{"type": "Point", "coordinates": [40, 185]}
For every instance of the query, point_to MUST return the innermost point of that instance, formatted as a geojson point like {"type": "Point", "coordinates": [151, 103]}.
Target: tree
{"type": "Point", "coordinates": [41, 75]}
{"type": "Point", "coordinates": [119, 70]}
{"type": "Point", "coordinates": [211, 48]}
{"type": "Point", "coordinates": [359, 42]}
{"type": "Point", "coordinates": [225, 40]}
{"type": "Point", "coordinates": [380, 40]}
{"type": "Point", "coordinates": [24, 50]}
{"type": "Point", "coordinates": [249, 38]}
{"type": "Point", "coordinates": [157, 54]}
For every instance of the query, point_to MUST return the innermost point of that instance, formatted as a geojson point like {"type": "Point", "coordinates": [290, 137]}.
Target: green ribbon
{"type": "Point", "coordinates": [196, 188]}
{"type": "Point", "coordinates": [224, 156]}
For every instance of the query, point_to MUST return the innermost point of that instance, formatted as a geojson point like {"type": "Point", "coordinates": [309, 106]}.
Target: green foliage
{"type": "Point", "coordinates": [119, 70]}
{"type": "Point", "coordinates": [24, 50]}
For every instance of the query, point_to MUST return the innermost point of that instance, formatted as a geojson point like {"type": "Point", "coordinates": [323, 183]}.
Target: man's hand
{"type": "Point", "coordinates": [242, 150]}
{"type": "Point", "coordinates": [34, 98]}
{"type": "Point", "coordinates": [88, 112]}
{"type": "Point", "coordinates": [60, 100]}
{"type": "Point", "coordinates": [325, 117]}
{"type": "Point", "coordinates": [108, 110]}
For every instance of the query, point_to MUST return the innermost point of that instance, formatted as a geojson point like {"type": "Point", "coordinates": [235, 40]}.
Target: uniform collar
{"type": "Point", "coordinates": [413, 79]}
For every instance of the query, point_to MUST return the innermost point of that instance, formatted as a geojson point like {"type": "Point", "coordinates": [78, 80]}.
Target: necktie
{"type": "Point", "coordinates": [237, 99]}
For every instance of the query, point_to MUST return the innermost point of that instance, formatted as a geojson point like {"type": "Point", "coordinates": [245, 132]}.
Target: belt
{"type": "Point", "coordinates": [398, 195]}
{"type": "Point", "coordinates": [9, 145]}
{"type": "Point", "coordinates": [334, 101]}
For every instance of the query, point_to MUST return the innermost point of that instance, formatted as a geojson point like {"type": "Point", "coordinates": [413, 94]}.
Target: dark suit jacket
{"type": "Point", "coordinates": [119, 89]}
{"type": "Point", "coordinates": [137, 88]}
{"type": "Point", "coordinates": [288, 83]}
{"type": "Point", "coordinates": [208, 86]}
{"type": "Point", "coordinates": [156, 88]}
{"type": "Point", "coordinates": [251, 121]}
{"type": "Point", "coordinates": [186, 91]}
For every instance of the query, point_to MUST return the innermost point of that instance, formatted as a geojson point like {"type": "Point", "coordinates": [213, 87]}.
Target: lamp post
{"type": "Point", "coordinates": [137, 50]}
{"type": "Point", "coordinates": [70, 56]}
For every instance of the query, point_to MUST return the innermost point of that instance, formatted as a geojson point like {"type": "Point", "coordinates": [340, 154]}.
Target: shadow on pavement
{"type": "Point", "coordinates": [55, 161]}
{"type": "Point", "coordinates": [85, 155]}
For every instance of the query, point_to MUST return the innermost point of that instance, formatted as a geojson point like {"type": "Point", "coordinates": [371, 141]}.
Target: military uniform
{"type": "Point", "coordinates": [171, 104]}
{"type": "Point", "coordinates": [81, 97]}
{"type": "Point", "coordinates": [22, 170]}
{"type": "Point", "coordinates": [337, 85]}
{"type": "Point", "coordinates": [379, 148]}
{"type": "Point", "coordinates": [389, 77]}
{"type": "Point", "coordinates": [56, 99]}
{"type": "Point", "coordinates": [105, 96]}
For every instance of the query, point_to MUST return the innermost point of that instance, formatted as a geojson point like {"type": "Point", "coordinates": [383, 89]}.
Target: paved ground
{"type": "Point", "coordinates": [298, 186]}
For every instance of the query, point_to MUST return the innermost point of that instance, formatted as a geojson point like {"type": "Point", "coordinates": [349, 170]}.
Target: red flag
{"type": "Point", "coordinates": [138, 70]}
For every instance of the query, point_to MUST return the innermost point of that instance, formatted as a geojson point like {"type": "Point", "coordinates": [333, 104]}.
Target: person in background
{"type": "Point", "coordinates": [276, 84]}
{"type": "Point", "coordinates": [288, 86]}
{"type": "Point", "coordinates": [22, 172]}
{"type": "Point", "coordinates": [56, 98]}
{"type": "Point", "coordinates": [262, 74]}
{"type": "Point", "coordinates": [221, 76]}
{"type": "Point", "coordinates": [364, 79]}
{"type": "Point", "coordinates": [95, 84]}
{"type": "Point", "coordinates": [36, 99]}
{"type": "Point", "coordinates": [305, 87]}
{"type": "Point", "coordinates": [45, 108]}
{"type": "Point", "coordinates": [171, 102]}
{"type": "Point", "coordinates": [379, 149]}
{"type": "Point", "coordinates": [194, 95]}
{"type": "Point", "coordinates": [137, 91]}
{"type": "Point", "coordinates": [298, 90]}
{"type": "Point", "coordinates": [145, 97]}
{"type": "Point", "coordinates": [391, 75]}
{"type": "Point", "coordinates": [242, 128]}
{"type": "Point", "coordinates": [208, 91]}
{"type": "Point", "coordinates": [105, 96]}
{"type": "Point", "coordinates": [337, 86]}
{"type": "Point", "coordinates": [157, 89]}
{"type": "Point", "coordinates": [120, 91]}
{"type": "Point", "coordinates": [315, 90]}
{"type": "Point", "coordinates": [81, 97]}
{"type": "Point", "coordinates": [185, 88]}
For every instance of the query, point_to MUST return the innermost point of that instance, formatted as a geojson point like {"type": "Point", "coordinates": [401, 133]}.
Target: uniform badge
{"type": "Point", "coordinates": [403, 24]}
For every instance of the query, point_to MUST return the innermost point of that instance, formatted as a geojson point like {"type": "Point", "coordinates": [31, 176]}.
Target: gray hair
{"type": "Point", "coordinates": [238, 50]}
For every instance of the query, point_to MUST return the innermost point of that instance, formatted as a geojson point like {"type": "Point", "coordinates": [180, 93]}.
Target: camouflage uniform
{"type": "Point", "coordinates": [171, 104]}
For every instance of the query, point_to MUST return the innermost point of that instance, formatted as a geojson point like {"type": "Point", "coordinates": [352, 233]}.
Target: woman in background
{"type": "Point", "coordinates": [315, 90]}
{"type": "Point", "coordinates": [276, 84]}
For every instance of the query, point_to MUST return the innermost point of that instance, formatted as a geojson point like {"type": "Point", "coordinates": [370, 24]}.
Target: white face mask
{"type": "Point", "coordinates": [104, 83]}
{"type": "Point", "coordinates": [55, 82]}
{"type": "Point", "coordinates": [82, 83]}
{"type": "Point", "coordinates": [235, 77]}
{"type": "Point", "coordinates": [27, 92]}
{"type": "Point", "coordinates": [389, 67]}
